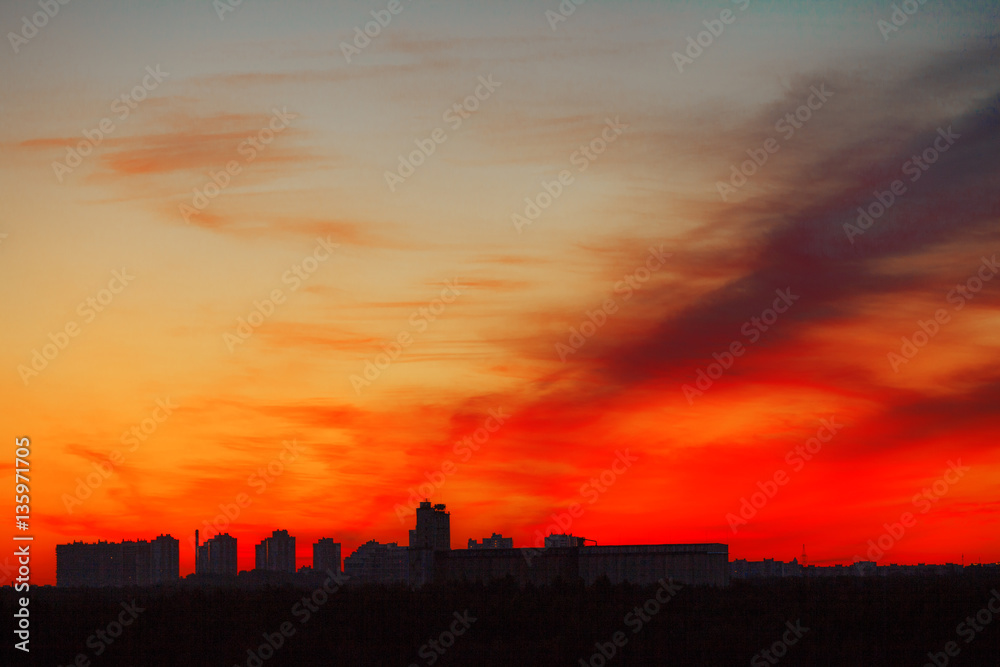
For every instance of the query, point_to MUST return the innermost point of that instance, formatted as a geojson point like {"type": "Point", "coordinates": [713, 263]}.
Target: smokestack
{"type": "Point", "coordinates": [196, 542]}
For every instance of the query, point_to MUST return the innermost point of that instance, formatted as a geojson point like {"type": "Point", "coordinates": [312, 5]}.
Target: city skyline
{"type": "Point", "coordinates": [433, 532]}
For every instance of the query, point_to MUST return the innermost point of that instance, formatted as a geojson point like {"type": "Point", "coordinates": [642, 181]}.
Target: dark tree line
{"type": "Point", "coordinates": [850, 621]}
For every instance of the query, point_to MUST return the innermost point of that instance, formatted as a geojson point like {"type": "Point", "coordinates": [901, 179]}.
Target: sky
{"type": "Point", "coordinates": [646, 272]}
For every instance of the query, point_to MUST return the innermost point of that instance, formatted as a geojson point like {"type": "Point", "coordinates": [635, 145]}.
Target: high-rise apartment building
{"type": "Point", "coordinates": [125, 563]}
{"type": "Point", "coordinates": [433, 529]}
{"type": "Point", "coordinates": [276, 553]}
{"type": "Point", "coordinates": [216, 556]}
{"type": "Point", "coordinates": [326, 555]}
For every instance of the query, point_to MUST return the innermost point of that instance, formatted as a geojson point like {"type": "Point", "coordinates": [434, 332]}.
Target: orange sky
{"type": "Point", "coordinates": [214, 282]}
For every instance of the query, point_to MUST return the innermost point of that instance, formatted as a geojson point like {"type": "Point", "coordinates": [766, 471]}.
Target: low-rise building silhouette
{"type": "Point", "coordinates": [559, 540]}
{"type": "Point", "coordinates": [497, 541]}
{"type": "Point", "coordinates": [689, 564]}
{"type": "Point", "coordinates": [741, 568]}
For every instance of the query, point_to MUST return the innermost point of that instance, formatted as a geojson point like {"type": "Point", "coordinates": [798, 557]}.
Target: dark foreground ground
{"type": "Point", "coordinates": [844, 621]}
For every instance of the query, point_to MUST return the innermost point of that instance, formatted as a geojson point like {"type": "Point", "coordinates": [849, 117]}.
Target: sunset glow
{"type": "Point", "coordinates": [509, 263]}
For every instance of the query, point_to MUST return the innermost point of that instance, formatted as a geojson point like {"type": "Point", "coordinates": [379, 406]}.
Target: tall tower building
{"type": "Point", "coordinates": [433, 529]}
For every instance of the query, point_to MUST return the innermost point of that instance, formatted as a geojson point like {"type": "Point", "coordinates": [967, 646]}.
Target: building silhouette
{"type": "Point", "coordinates": [216, 556]}
{"type": "Point", "coordinates": [326, 555]}
{"type": "Point", "coordinates": [428, 559]}
{"type": "Point", "coordinates": [770, 568]}
{"type": "Point", "coordinates": [124, 563]}
{"type": "Point", "coordinates": [641, 564]}
{"type": "Point", "coordinates": [497, 541]}
{"type": "Point", "coordinates": [165, 553]}
{"type": "Point", "coordinates": [276, 553]}
{"type": "Point", "coordinates": [433, 529]}
{"type": "Point", "coordinates": [563, 540]}
{"type": "Point", "coordinates": [378, 563]}
{"type": "Point", "coordinates": [565, 557]}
